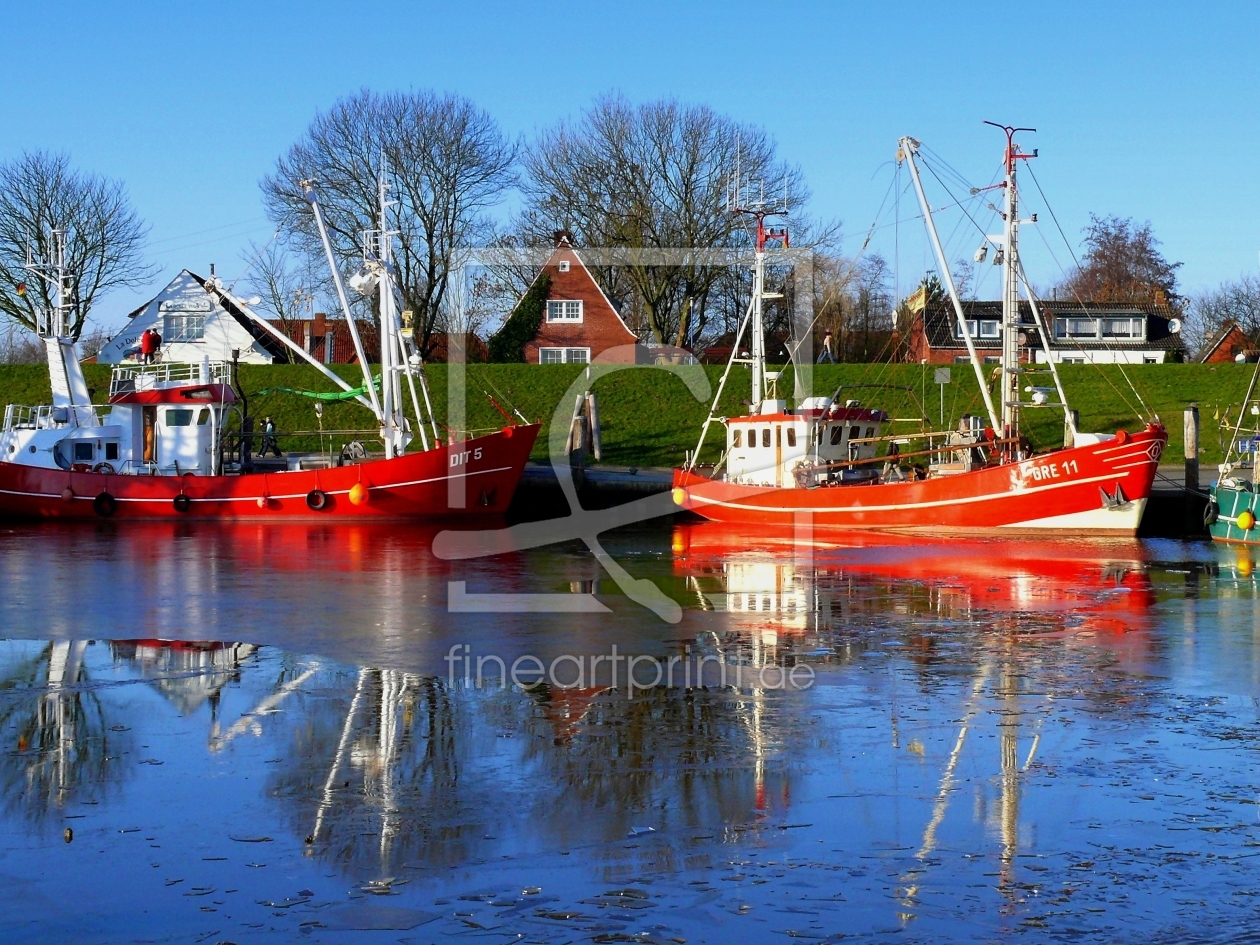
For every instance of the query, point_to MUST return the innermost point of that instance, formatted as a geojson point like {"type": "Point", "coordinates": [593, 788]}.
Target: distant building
{"type": "Point", "coordinates": [1081, 333]}
{"type": "Point", "coordinates": [194, 323]}
{"type": "Point", "coordinates": [1230, 343]}
{"type": "Point", "coordinates": [580, 323]}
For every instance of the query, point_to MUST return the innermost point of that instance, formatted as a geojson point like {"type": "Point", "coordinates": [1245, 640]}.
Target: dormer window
{"type": "Point", "coordinates": [979, 329]}
{"type": "Point", "coordinates": [563, 310]}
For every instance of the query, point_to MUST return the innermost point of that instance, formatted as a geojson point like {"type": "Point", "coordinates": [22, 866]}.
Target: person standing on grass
{"type": "Point", "coordinates": [828, 349]}
{"type": "Point", "coordinates": [269, 438]}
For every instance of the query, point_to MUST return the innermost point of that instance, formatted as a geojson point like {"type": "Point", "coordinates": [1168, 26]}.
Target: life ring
{"type": "Point", "coordinates": [105, 469]}
{"type": "Point", "coordinates": [1211, 512]}
{"type": "Point", "coordinates": [316, 499]}
{"type": "Point", "coordinates": [105, 505]}
{"type": "Point", "coordinates": [182, 503]}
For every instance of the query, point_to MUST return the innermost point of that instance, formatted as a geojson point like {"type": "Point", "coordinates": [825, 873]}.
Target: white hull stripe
{"type": "Point", "coordinates": [901, 506]}
{"type": "Point", "coordinates": [255, 498]}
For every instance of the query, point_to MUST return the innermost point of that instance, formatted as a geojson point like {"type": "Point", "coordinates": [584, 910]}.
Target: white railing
{"type": "Point", "coordinates": [130, 378]}
{"type": "Point", "coordinates": [46, 416]}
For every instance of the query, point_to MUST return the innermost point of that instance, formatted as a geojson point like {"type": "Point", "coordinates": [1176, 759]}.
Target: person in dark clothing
{"type": "Point", "coordinates": [269, 438]}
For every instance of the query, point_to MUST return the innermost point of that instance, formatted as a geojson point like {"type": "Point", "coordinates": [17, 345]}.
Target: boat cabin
{"type": "Point", "coordinates": [803, 447]}
{"type": "Point", "coordinates": [163, 420]}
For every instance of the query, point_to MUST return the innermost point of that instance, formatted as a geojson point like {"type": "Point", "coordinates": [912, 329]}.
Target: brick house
{"type": "Point", "coordinates": [580, 324]}
{"type": "Point", "coordinates": [1229, 344]}
{"type": "Point", "coordinates": [1082, 333]}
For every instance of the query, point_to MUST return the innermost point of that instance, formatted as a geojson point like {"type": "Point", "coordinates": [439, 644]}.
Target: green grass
{"type": "Point", "coordinates": [649, 418]}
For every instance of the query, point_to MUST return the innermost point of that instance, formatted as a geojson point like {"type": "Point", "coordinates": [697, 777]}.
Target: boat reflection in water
{"type": "Point", "coordinates": [989, 606]}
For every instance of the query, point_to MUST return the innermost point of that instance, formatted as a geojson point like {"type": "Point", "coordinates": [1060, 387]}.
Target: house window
{"type": "Point", "coordinates": [1149, 359]}
{"type": "Point", "coordinates": [564, 265]}
{"type": "Point", "coordinates": [1073, 327]}
{"type": "Point", "coordinates": [1122, 328]}
{"type": "Point", "coordinates": [562, 310]}
{"type": "Point", "coordinates": [183, 326]}
{"type": "Point", "coordinates": [1072, 361]}
{"type": "Point", "coordinates": [961, 358]}
{"type": "Point", "coordinates": [979, 329]}
{"type": "Point", "coordinates": [564, 355]}
{"type": "Point", "coordinates": [992, 359]}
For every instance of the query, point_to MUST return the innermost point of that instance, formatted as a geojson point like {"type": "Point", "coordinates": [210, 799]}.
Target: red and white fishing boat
{"type": "Point", "coordinates": [828, 463]}
{"type": "Point", "coordinates": [166, 447]}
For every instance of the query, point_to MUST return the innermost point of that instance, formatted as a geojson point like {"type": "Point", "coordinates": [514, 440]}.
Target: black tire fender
{"type": "Point", "coordinates": [182, 503]}
{"type": "Point", "coordinates": [316, 499]}
{"type": "Point", "coordinates": [1211, 512]}
{"type": "Point", "coordinates": [105, 505]}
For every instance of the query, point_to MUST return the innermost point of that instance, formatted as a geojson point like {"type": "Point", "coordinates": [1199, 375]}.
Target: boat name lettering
{"type": "Point", "coordinates": [1043, 471]}
{"type": "Point", "coordinates": [460, 459]}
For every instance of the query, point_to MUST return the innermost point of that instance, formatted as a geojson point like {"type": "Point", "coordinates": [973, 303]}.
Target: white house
{"type": "Point", "coordinates": [194, 324]}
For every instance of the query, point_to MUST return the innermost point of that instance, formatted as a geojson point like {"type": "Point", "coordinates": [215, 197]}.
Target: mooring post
{"type": "Point", "coordinates": [1069, 439]}
{"type": "Point", "coordinates": [1191, 433]}
{"type": "Point", "coordinates": [592, 414]}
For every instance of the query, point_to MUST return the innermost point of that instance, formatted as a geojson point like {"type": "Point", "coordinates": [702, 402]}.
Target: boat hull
{"type": "Point", "coordinates": [1098, 489]}
{"type": "Point", "coordinates": [469, 478]}
{"type": "Point", "coordinates": [1228, 504]}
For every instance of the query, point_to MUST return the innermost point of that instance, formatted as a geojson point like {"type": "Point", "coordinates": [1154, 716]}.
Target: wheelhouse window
{"type": "Point", "coordinates": [765, 437]}
{"type": "Point", "coordinates": [791, 436]}
{"type": "Point", "coordinates": [736, 436]}
{"type": "Point", "coordinates": [178, 417]}
{"type": "Point", "coordinates": [564, 310]}
{"type": "Point", "coordinates": [84, 452]}
{"type": "Point", "coordinates": [564, 355]}
{"type": "Point", "coordinates": [837, 434]}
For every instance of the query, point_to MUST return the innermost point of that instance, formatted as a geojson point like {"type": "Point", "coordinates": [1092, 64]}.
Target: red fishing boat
{"type": "Point", "coordinates": [829, 462]}
{"type": "Point", "coordinates": [166, 445]}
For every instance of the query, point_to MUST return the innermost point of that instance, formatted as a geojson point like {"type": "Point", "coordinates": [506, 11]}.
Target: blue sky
{"type": "Point", "coordinates": [1146, 110]}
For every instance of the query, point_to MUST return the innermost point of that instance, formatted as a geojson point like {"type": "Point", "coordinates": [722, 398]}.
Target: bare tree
{"type": "Point", "coordinates": [1237, 302]}
{"type": "Point", "coordinates": [447, 161]}
{"type": "Point", "coordinates": [651, 177]}
{"type": "Point", "coordinates": [287, 286]}
{"type": "Point", "coordinates": [40, 192]}
{"type": "Point", "coordinates": [1122, 263]}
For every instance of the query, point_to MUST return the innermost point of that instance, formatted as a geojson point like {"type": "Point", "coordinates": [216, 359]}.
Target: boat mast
{"type": "Point", "coordinates": [906, 150]}
{"type": "Point", "coordinates": [65, 374]}
{"type": "Point", "coordinates": [759, 209]}
{"type": "Point", "coordinates": [1009, 388]}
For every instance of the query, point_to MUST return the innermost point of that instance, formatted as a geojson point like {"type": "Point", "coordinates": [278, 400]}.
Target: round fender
{"type": "Point", "coordinates": [358, 494]}
{"type": "Point", "coordinates": [316, 499]}
{"type": "Point", "coordinates": [105, 469]}
{"type": "Point", "coordinates": [182, 503]}
{"type": "Point", "coordinates": [105, 505]}
{"type": "Point", "coordinates": [1211, 512]}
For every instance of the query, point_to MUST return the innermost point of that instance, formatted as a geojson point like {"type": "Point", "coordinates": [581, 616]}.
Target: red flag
{"type": "Point", "coordinates": [21, 288]}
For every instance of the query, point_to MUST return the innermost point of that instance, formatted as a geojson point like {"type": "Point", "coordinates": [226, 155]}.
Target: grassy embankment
{"type": "Point", "coordinates": [649, 418]}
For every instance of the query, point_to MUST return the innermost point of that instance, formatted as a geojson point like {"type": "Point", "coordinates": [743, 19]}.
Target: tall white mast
{"type": "Point", "coordinates": [1009, 388]}
{"type": "Point", "coordinates": [69, 387]}
{"type": "Point", "coordinates": [758, 208]}
{"type": "Point", "coordinates": [907, 148]}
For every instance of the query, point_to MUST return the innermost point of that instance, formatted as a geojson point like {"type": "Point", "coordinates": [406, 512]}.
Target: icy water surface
{"type": "Point", "coordinates": [269, 734]}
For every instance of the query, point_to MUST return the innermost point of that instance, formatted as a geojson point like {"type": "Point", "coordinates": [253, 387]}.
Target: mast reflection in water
{"type": "Point", "coordinates": [1001, 737]}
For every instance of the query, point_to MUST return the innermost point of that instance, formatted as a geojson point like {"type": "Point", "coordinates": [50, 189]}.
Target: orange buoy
{"type": "Point", "coordinates": [1122, 437]}
{"type": "Point", "coordinates": [507, 433]}
{"type": "Point", "coordinates": [679, 495]}
{"type": "Point", "coordinates": [1246, 520]}
{"type": "Point", "coordinates": [67, 494]}
{"type": "Point", "coordinates": [358, 494]}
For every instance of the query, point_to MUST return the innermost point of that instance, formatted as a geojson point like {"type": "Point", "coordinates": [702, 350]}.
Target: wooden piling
{"type": "Point", "coordinates": [592, 415]}
{"type": "Point", "coordinates": [1068, 439]}
{"type": "Point", "coordinates": [1191, 432]}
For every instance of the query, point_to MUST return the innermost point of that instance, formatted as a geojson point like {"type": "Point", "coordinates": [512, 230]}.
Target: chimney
{"type": "Point", "coordinates": [562, 238]}
{"type": "Point", "coordinates": [320, 327]}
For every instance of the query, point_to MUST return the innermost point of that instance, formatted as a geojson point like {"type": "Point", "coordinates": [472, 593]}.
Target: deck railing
{"type": "Point", "coordinates": [130, 378]}
{"type": "Point", "coordinates": [45, 416]}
